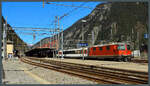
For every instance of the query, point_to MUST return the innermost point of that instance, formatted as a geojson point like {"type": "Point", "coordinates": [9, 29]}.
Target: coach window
{"type": "Point", "coordinates": [107, 47]}
{"type": "Point", "coordinates": [100, 48]}
{"type": "Point", "coordinates": [94, 48]}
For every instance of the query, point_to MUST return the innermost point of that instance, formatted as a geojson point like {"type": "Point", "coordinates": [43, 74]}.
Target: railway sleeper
{"type": "Point", "coordinates": [99, 80]}
{"type": "Point", "coordinates": [95, 68]}
{"type": "Point", "coordinates": [135, 75]}
{"type": "Point", "coordinates": [89, 73]}
{"type": "Point", "coordinates": [89, 66]}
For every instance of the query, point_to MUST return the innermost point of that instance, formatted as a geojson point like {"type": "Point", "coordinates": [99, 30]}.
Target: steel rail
{"type": "Point", "coordinates": [109, 75]}
{"type": "Point", "coordinates": [136, 73]}
{"type": "Point", "coordinates": [122, 76]}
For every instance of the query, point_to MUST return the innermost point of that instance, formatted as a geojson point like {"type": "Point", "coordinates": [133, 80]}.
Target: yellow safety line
{"type": "Point", "coordinates": [37, 78]}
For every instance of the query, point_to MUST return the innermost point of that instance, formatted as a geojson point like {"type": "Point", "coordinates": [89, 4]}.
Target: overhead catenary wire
{"type": "Point", "coordinates": [72, 5]}
{"type": "Point", "coordinates": [31, 29]}
{"type": "Point", "coordinates": [66, 14]}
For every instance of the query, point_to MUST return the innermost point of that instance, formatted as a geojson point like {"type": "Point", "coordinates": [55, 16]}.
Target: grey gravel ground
{"type": "Point", "coordinates": [13, 74]}
{"type": "Point", "coordinates": [47, 76]}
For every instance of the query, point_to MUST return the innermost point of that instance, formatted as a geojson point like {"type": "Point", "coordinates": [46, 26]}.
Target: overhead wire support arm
{"type": "Point", "coordinates": [70, 5]}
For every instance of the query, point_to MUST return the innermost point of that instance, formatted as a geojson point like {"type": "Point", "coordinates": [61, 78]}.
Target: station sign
{"type": "Point", "coordinates": [83, 44]}
{"type": "Point", "coordinates": [145, 35]}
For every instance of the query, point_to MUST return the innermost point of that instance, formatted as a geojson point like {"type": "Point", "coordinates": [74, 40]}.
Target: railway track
{"type": "Point", "coordinates": [101, 75]}
{"type": "Point", "coordinates": [139, 61]}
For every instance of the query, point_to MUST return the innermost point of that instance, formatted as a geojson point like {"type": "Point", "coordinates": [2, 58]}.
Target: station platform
{"type": "Point", "coordinates": [112, 64]}
{"type": "Point", "coordinates": [14, 72]}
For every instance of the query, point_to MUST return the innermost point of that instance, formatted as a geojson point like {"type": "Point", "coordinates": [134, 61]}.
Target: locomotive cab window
{"type": "Point", "coordinates": [128, 47]}
{"type": "Point", "coordinates": [107, 47]}
{"type": "Point", "coordinates": [121, 47]}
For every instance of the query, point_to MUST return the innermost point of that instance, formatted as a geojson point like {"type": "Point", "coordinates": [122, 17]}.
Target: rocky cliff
{"type": "Point", "coordinates": [111, 22]}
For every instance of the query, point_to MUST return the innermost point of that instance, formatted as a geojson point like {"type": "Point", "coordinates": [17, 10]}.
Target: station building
{"type": "Point", "coordinates": [9, 49]}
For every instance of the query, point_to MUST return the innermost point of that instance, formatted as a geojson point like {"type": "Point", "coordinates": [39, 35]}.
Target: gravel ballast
{"type": "Point", "coordinates": [51, 76]}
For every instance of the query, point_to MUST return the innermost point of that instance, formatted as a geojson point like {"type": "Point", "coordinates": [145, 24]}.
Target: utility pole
{"type": "Point", "coordinates": [53, 39]}
{"type": "Point", "coordinates": [58, 34]}
{"type": "Point", "coordinates": [53, 42]}
{"type": "Point", "coordinates": [93, 38]}
{"type": "Point", "coordinates": [50, 38]}
{"type": "Point", "coordinates": [55, 30]}
{"type": "Point", "coordinates": [5, 39]}
{"type": "Point", "coordinates": [62, 57]}
{"type": "Point", "coordinates": [55, 35]}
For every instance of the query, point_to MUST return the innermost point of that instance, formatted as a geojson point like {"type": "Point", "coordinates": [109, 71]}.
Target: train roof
{"type": "Point", "coordinates": [114, 43]}
{"type": "Point", "coordinates": [74, 49]}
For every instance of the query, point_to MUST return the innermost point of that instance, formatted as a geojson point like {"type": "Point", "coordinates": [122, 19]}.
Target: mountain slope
{"type": "Point", "coordinates": [113, 22]}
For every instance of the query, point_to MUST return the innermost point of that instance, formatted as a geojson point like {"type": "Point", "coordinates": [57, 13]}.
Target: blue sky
{"type": "Point", "coordinates": [32, 14]}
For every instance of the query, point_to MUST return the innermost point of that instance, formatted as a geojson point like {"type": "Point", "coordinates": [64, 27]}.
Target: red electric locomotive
{"type": "Point", "coordinates": [118, 51]}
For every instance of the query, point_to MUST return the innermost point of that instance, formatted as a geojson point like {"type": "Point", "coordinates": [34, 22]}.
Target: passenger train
{"type": "Point", "coordinates": [116, 51]}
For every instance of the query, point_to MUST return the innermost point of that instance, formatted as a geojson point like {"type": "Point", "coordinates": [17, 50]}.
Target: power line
{"type": "Point", "coordinates": [32, 29]}
{"type": "Point", "coordinates": [31, 33]}
{"type": "Point", "coordinates": [70, 5]}
{"type": "Point", "coordinates": [66, 14]}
